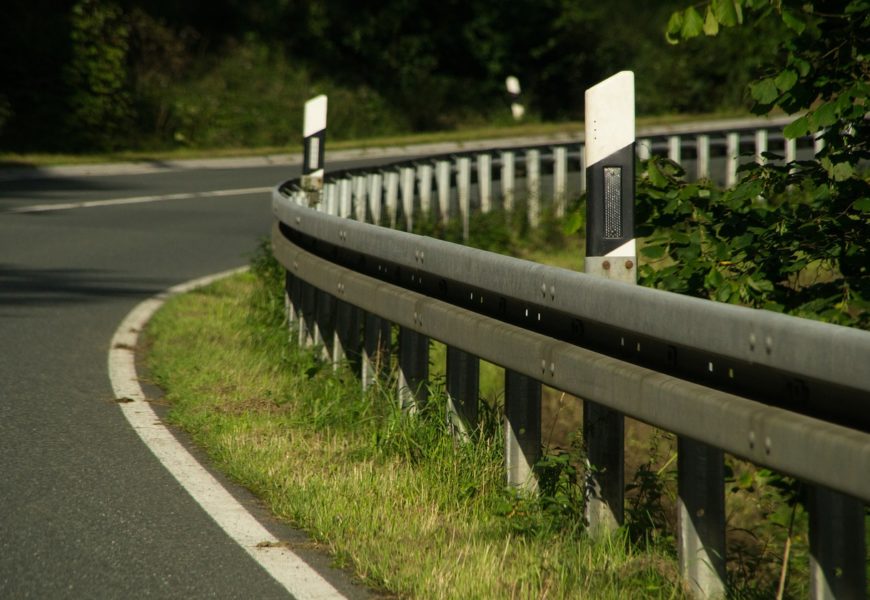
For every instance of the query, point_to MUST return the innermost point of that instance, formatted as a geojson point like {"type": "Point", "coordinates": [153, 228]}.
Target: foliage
{"type": "Point", "coordinates": [227, 74]}
{"type": "Point", "coordinates": [100, 106]}
{"type": "Point", "coordinates": [788, 237]}
{"type": "Point", "coordinates": [802, 251]}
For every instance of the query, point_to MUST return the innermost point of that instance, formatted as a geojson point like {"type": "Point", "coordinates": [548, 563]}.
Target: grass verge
{"type": "Point", "coordinates": [11, 159]}
{"type": "Point", "coordinates": [391, 496]}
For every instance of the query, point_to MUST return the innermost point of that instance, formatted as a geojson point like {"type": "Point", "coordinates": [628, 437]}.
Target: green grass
{"type": "Point", "coordinates": [391, 496]}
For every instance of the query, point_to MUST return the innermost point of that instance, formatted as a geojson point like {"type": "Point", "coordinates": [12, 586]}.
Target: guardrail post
{"type": "Point", "coordinates": [307, 308]}
{"type": "Point", "coordinates": [484, 181]}
{"type": "Point", "coordinates": [732, 158]}
{"type": "Point", "coordinates": [522, 429]}
{"type": "Point", "coordinates": [837, 546]}
{"type": "Point", "coordinates": [442, 176]}
{"type": "Point", "coordinates": [359, 192]}
{"type": "Point", "coordinates": [760, 145]}
{"type": "Point", "coordinates": [324, 323]}
{"type": "Point", "coordinates": [507, 180]}
{"type": "Point", "coordinates": [790, 150]}
{"type": "Point", "coordinates": [701, 517]}
{"type": "Point", "coordinates": [424, 175]}
{"type": "Point", "coordinates": [330, 192]}
{"type": "Point", "coordinates": [345, 346]}
{"type": "Point", "coordinates": [675, 150]}
{"type": "Point", "coordinates": [463, 391]}
{"type": "Point", "coordinates": [702, 166]}
{"type": "Point", "coordinates": [644, 149]}
{"type": "Point", "coordinates": [392, 199]}
{"type": "Point", "coordinates": [376, 187]}
{"type": "Point", "coordinates": [560, 179]}
{"type": "Point", "coordinates": [463, 185]}
{"type": "Point", "coordinates": [376, 349]}
{"type": "Point", "coordinates": [533, 185]}
{"type": "Point", "coordinates": [818, 142]}
{"type": "Point", "coordinates": [345, 202]}
{"type": "Point", "coordinates": [291, 297]}
{"type": "Point", "coordinates": [413, 369]}
{"type": "Point", "coordinates": [610, 252]}
{"type": "Point", "coordinates": [408, 197]}
{"type": "Point", "coordinates": [582, 167]}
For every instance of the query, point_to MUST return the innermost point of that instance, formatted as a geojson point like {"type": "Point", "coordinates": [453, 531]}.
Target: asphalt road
{"type": "Point", "coordinates": [86, 511]}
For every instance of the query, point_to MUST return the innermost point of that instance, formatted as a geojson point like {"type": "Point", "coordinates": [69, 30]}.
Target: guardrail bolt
{"type": "Point", "coordinates": [767, 445]}
{"type": "Point", "coordinates": [606, 265]}
{"type": "Point", "coordinates": [752, 341]}
{"type": "Point", "coordinates": [768, 343]}
{"type": "Point", "coordinates": [629, 264]}
{"type": "Point", "coordinates": [751, 440]}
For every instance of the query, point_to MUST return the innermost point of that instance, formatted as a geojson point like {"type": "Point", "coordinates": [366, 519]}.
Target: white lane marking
{"type": "Point", "coordinates": [283, 565]}
{"type": "Point", "coordinates": [137, 200]}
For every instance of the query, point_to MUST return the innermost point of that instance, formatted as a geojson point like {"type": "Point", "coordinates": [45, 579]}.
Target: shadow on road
{"type": "Point", "coordinates": [51, 287]}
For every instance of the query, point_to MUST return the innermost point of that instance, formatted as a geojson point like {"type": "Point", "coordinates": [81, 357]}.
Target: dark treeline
{"type": "Point", "coordinates": [82, 75]}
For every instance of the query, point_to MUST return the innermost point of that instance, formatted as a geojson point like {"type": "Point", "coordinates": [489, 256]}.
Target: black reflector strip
{"type": "Point", "coordinates": [612, 202]}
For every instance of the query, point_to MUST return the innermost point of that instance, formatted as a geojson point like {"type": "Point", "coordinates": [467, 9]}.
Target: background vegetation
{"type": "Point", "coordinates": [98, 75]}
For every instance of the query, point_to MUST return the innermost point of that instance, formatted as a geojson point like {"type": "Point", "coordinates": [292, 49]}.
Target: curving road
{"type": "Point", "coordinates": [86, 511]}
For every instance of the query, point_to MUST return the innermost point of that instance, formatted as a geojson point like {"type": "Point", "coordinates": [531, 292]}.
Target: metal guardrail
{"type": "Point", "coordinates": [782, 392]}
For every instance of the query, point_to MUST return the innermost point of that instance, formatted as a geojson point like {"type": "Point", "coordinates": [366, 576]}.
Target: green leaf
{"type": "Point", "coordinates": [573, 223]}
{"type": "Point", "coordinates": [764, 91]}
{"type": "Point", "coordinates": [824, 116]}
{"type": "Point", "coordinates": [793, 21]}
{"type": "Point", "coordinates": [785, 80]}
{"type": "Point", "coordinates": [842, 171]}
{"type": "Point", "coordinates": [726, 12]}
{"type": "Point", "coordinates": [653, 252]}
{"type": "Point", "coordinates": [862, 204]}
{"type": "Point", "coordinates": [675, 26]}
{"type": "Point", "coordinates": [655, 175]}
{"type": "Point", "coordinates": [796, 128]}
{"type": "Point", "coordinates": [711, 24]}
{"type": "Point", "coordinates": [693, 24]}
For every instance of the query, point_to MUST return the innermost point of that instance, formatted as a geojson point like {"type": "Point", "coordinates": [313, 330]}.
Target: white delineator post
{"type": "Point", "coordinates": [512, 84]}
{"type": "Point", "coordinates": [314, 140]}
{"type": "Point", "coordinates": [611, 253]}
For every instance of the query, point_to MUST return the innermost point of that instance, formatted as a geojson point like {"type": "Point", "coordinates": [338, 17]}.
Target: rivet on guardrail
{"type": "Point", "coordinates": [767, 445]}
{"type": "Point", "coordinates": [768, 344]}
{"type": "Point", "coordinates": [422, 256]}
{"type": "Point", "coordinates": [629, 264]}
{"type": "Point", "coordinates": [298, 220]}
{"type": "Point", "coordinates": [751, 440]}
{"type": "Point", "coordinates": [552, 369]}
{"type": "Point", "coordinates": [552, 292]}
{"type": "Point", "coordinates": [543, 290]}
{"type": "Point", "coordinates": [416, 256]}
{"type": "Point", "coordinates": [752, 341]}
{"type": "Point", "coordinates": [710, 367]}
{"type": "Point", "coordinates": [543, 366]}
{"type": "Point", "coordinates": [606, 265]}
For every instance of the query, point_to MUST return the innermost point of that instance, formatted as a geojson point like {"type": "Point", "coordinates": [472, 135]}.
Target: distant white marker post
{"type": "Point", "coordinates": [513, 89]}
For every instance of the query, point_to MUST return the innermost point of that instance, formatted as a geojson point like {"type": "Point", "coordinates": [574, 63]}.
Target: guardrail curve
{"type": "Point", "coordinates": [786, 393]}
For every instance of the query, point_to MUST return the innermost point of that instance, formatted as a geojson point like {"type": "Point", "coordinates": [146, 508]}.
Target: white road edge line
{"type": "Point", "coordinates": [137, 200]}
{"type": "Point", "coordinates": [284, 566]}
